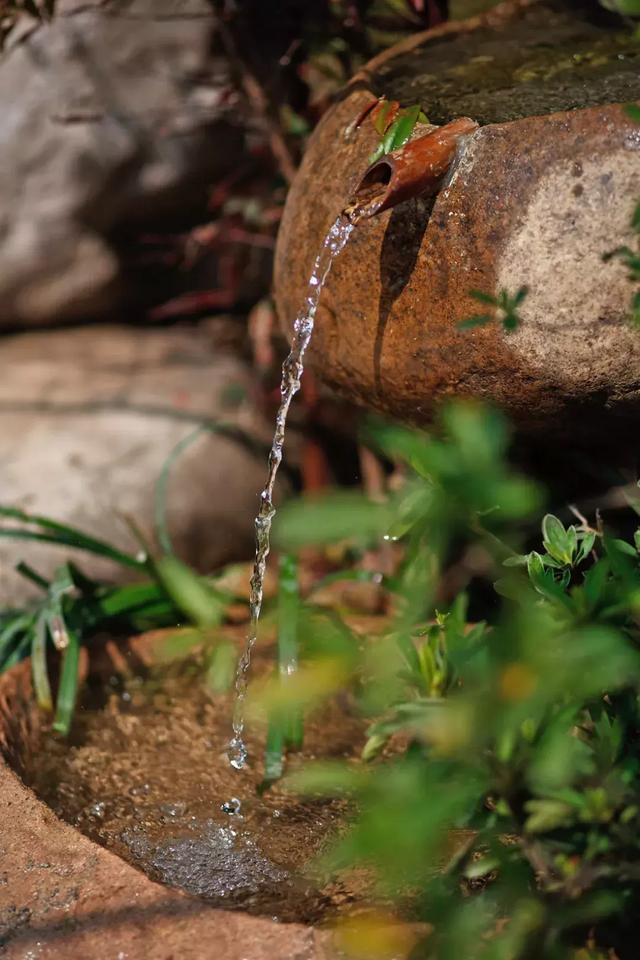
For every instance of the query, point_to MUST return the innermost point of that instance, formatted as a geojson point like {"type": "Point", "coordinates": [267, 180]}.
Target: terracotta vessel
{"type": "Point", "coordinates": [534, 196]}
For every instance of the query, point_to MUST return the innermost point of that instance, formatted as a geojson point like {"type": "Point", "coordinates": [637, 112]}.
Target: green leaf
{"type": "Point", "coordinates": [128, 600]}
{"type": "Point", "coordinates": [286, 724]}
{"type": "Point", "coordinates": [404, 127]}
{"type": "Point", "coordinates": [595, 583]}
{"type": "Point", "coordinates": [274, 751]}
{"type": "Point", "coordinates": [189, 592]}
{"type": "Point", "coordinates": [389, 139]}
{"type": "Point", "coordinates": [374, 746]}
{"type": "Point", "coordinates": [68, 689]}
{"type": "Point", "coordinates": [475, 320]}
{"type": "Point", "coordinates": [624, 253]}
{"type": "Point", "coordinates": [481, 868]}
{"type": "Point", "coordinates": [545, 815]}
{"type": "Point", "coordinates": [543, 580]}
{"type": "Point", "coordinates": [627, 8]}
{"type": "Point", "coordinates": [377, 154]}
{"type": "Point", "coordinates": [520, 296]}
{"type": "Point", "coordinates": [39, 671]}
{"type": "Point", "coordinates": [26, 570]}
{"type": "Point", "coordinates": [221, 668]}
{"type": "Point", "coordinates": [558, 542]}
{"type": "Point", "coordinates": [63, 535]}
{"type": "Point", "coordinates": [335, 517]}
{"type": "Point", "coordinates": [623, 547]}
{"type": "Point", "coordinates": [19, 627]}
{"type": "Point", "coordinates": [586, 546]}
{"type": "Point", "coordinates": [482, 297]}
{"type": "Point", "coordinates": [520, 560]}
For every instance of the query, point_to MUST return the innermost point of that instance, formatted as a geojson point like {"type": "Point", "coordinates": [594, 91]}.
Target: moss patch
{"type": "Point", "coordinates": [548, 58]}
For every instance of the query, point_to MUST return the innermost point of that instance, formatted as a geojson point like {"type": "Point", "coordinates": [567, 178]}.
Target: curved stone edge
{"type": "Point", "coordinates": [63, 896]}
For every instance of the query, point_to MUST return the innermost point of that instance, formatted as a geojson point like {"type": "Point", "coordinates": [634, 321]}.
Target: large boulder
{"type": "Point", "coordinates": [536, 196]}
{"type": "Point", "coordinates": [112, 116]}
{"type": "Point", "coordinates": [88, 418]}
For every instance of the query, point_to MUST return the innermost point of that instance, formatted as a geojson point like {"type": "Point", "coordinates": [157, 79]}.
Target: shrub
{"type": "Point", "coordinates": [499, 799]}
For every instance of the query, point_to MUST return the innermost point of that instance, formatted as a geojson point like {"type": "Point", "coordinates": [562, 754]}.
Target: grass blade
{"type": "Point", "coordinates": [221, 670]}
{"type": "Point", "coordinates": [274, 751]}
{"type": "Point", "coordinates": [39, 671]}
{"type": "Point", "coordinates": [63, 535]}
{"type": "Point", "coordinates": [288, 649]}
{"type": "Point", "coordinates": [22, 623]}
{"type": "Point", "coordinates": [27, 571]}
{"type": "Point", "coordinates": [162, 484]}
{"type": "Point", "coordinates": [190, 593]}
{"type": "Point", "coordinates": [123, 600]}
{"type": "Point", "coordinates": [68, 689]}
{"type": "Point", "coordinates": [288, 607]}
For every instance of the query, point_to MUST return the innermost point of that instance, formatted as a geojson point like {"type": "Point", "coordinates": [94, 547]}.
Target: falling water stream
{"type": "Point", "coordinates": [292, 370]}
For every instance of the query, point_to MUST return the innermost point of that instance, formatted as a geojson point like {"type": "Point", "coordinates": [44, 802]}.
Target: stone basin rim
{"type": "Point", "coordinates": [63, 891]}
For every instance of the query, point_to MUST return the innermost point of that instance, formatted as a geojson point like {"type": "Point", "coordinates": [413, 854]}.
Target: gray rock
{"type": "Point", "coordinates": [89, 416]}
{"type": "Point", "coordinates": [110, 116]}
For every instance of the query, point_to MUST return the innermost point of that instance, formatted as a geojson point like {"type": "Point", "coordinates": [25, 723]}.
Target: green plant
{"type": "Point", "coordinates": [394, 126]}
{"type": "Point", "coordinates": [499, 795]}
{"type": "Point", "coordinates": [73, 607]}
{"type": "Point", "coordinates": [504, 308]}
{"type": "Point", "coordinates": [285, 726]}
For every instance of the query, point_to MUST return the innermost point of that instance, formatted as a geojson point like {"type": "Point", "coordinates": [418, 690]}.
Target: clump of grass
{"type": "Point", "coordinates": [73, 608]}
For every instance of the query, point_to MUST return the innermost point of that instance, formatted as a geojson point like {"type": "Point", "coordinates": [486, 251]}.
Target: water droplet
{"type": "Point", "coordinates": [237, 750]}
{"type": "Point", "coordinates": [232, 807]}
{"type": "Point", "coordinates": [174, 809]}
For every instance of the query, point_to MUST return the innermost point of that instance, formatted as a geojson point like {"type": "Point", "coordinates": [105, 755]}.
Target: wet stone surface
{"type": "Point", "coordinates": [146, 775]}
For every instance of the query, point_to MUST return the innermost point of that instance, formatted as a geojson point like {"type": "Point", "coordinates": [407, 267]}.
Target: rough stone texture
{"type": "Point", "coordinates": [62, 896]}
{"type": "Point", "coordinates": [112, 115]}
{"type": "Point", "coordinates": [87, 419]}
{"type": "Point", "coordinates": [537, 201]}
{"type": "Point", "coordinates": [574, 214]}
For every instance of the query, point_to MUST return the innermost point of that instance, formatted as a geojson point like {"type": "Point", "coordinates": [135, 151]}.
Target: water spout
{"type": "Point", "coordinates": [419, 167]}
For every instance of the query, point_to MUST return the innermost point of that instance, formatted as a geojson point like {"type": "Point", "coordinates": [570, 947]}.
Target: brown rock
{"type": "Point", "coordinates": [536, 196]}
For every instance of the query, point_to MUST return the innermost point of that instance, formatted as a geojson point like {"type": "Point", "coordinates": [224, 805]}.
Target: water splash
{"type": "Point", "coordinates": [292, 370]}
